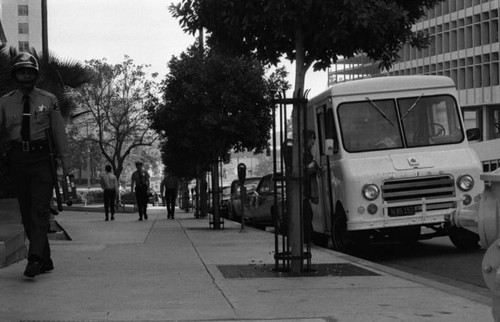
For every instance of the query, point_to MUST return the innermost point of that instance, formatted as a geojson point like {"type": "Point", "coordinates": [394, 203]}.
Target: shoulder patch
{"type": "Point", "coordinates": [9, 94]}
{"type": "Point", "coordinates": [45, 93]}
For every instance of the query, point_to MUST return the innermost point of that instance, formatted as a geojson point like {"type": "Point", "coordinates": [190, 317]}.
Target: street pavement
{"type": "Point", "coordinates": [183, 270]}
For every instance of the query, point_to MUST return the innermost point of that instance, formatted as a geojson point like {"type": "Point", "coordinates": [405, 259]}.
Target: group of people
{"type": "Point", "coordinates": [140, 184]}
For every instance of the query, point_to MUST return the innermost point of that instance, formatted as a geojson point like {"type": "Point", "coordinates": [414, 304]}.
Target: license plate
{"type": "Point", "coordinates": [401, 211]}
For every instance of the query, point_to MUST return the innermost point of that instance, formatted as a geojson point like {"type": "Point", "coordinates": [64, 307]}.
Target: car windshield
{"type": "Point", "coordinates": [398, 123]}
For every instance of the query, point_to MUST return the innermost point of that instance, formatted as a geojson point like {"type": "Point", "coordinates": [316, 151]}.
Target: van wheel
{"type": "Point", "coordinates": [345, 241]}
{"type": "Point", "coordinates": [340, 236]}
{"type": "Point", "coordinates": [463, 239]}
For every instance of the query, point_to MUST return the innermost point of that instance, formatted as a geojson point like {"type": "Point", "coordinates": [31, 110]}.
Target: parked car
{"type": "Point", "coordinates": [261, 205]}
{"type": "Point", "coordinates": [234, 202]}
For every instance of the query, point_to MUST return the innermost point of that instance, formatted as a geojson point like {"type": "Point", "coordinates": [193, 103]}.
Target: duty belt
{"type": "Point", "coordinates": [31, 146]}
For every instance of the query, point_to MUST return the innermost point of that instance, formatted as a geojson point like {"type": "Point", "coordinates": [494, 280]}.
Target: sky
{"type": "Point", "coordinates": [144, 30]}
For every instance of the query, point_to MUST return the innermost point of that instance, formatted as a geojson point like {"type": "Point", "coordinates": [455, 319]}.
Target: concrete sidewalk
{"type": "Point", "coordinates": [181, 270]}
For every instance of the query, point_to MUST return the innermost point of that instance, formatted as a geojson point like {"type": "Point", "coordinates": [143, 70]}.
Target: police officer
{"type": "Point", "coordinates": [140, 183]}
{"type": "Point", "coordinates": [25, 116]}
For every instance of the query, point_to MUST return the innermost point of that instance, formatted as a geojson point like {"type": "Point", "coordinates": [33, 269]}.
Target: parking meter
{"type": "Point", "coordinates": [242, 173]}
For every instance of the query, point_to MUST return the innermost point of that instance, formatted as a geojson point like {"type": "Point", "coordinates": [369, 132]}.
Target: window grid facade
{"type": "Point", "coordinates": [464, 45]}
{"type": "Point", "coordinates": [22, 23]}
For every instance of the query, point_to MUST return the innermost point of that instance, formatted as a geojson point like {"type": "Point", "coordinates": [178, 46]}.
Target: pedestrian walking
{"type": "Point", "coordinates": [109, 185]}
{"type": "Point", "coordinates": [29, 118]}
{"type": "Point", "coordinates": [140, 184]}
{"type": "Point", "coordinates": [169, 185]}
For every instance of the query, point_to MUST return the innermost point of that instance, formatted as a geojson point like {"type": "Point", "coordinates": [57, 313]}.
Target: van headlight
{"type": "Point", "coordinates": [465, 182]}
{"type": "Point", "coordinates": [370, 191]}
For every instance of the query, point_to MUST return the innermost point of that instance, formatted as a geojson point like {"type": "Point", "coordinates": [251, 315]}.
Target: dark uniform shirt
{"type": "Point", "coordinates": [45, 113]}
{"type": "Point", "coordinates": [140, 180]}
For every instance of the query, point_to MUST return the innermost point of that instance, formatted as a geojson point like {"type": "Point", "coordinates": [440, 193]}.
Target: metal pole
{"type": "Point", "coordinates": [45, 38]}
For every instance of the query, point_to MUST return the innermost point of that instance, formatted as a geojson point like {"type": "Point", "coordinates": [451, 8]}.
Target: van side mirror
{"type": "Point", "coordinates": [473, 134]}
{"type": "Point", "coordinates": [329, 146]}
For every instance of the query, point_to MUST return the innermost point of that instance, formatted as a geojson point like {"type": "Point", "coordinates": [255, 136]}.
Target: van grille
{"type": "Point", "coordinates": [409, 189]}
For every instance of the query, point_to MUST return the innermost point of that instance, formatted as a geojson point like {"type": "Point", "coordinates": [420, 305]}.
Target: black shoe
{"type": "Point", "coordinates": [146, 216]}
{"type": "Point", "coordinates": [140, 218]}
{"type": "Point", "coordinates": [47, 266]}
{"type": "Point", "coordinates": [112, 217]}
{"type": "Point", "coordinates": [106, 219]}
{"type": "Point", "coordinates": [33, 269]}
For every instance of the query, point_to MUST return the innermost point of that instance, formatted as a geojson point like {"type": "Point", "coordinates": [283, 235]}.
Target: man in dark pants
{"type": "Point", "coordinates": [140, 184]}
{"type": "Point", "coordinates": [169, 185]}
{"type": "Point", "coordinates": [25, 116]}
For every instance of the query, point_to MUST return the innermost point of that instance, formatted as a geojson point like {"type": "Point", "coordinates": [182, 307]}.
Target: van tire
{"type": "Point", "coordinates": [345, 241]}
{"type": "Point", "coordinates": [463, 239]}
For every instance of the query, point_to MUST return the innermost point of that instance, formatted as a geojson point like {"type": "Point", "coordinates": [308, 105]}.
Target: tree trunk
{"type": "Point", "coordinates": [215, 195]}
{"type": "Point", "coordinates": [294, 203]}
{"type": "Point", "coordinates": [203, 194]}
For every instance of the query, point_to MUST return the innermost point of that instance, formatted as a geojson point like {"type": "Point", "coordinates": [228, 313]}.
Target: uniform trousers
{"type": "Point", "coordinates": [32, 177]}
{"type": "Point", "coordinates": [141, 196]}
{"type": "Point", "coordinates": [170, 196]}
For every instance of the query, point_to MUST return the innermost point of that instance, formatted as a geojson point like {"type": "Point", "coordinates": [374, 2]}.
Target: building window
{"type": "Point", "coordinates": [22, 10]}
{"type": "Point", "coordinates": [24, 46]}
{"type": "Point", "coordinates": [23, 28]}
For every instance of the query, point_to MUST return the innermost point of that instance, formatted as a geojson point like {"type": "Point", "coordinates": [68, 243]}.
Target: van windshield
{"type": "Point", "coordinates": [399, 123]}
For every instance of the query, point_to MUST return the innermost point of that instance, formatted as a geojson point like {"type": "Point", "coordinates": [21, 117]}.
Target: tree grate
{"type": "Point", "coordinates": [317, 270]}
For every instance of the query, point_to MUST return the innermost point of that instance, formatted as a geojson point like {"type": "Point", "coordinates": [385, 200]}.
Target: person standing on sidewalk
{"type": "Point", "coordinates": [140, 184]}
{"type": "Point", "coordinates": [109, 185]}
{"type": "Point", "coordinates": [28, 116]}
{"type": "Point", "coordinates": [169, 185]}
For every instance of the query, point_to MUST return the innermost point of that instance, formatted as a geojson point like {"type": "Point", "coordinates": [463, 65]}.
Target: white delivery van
{"type": "Point", "coordinates": [395, 162]}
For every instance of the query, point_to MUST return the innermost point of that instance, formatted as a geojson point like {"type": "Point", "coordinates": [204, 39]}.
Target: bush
{"type": "Point", "coordinates": [89, 196]}
{"type": "Point", "coordinates": [128, 198]}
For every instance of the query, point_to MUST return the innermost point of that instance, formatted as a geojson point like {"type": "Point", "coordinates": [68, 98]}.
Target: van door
{"type": "Point", "coordinates": [322, 205]}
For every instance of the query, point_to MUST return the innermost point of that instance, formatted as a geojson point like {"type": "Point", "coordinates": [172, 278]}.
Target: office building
{"type": "Point", "coordinates": [22, 23]}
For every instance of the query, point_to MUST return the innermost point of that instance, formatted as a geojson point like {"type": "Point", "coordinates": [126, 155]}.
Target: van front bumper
{"type": "Point", "coordinates": [423, 217]}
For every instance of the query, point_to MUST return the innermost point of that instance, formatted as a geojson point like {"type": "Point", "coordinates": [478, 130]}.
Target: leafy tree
{"type": "Point", "coordinates": [211, 105]}
{"type": "Point", "coordinates": [113, 104]}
